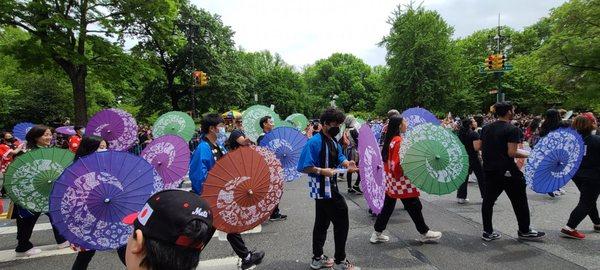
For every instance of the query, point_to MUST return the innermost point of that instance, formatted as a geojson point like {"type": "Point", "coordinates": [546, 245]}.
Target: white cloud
{"type": "Point", "coordinates": [305, 31]}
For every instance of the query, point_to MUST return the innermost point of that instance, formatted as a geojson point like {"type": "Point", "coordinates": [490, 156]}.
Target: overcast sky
{"type": "Point", "coordinates": [305, 31]}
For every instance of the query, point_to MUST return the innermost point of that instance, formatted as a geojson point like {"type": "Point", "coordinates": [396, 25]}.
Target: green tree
{"type": "Point", "coordinates": [275, 82]}
{"type": "Point", "coordinates": [347, 77]}
{"type": "Point", "coordinates": [570, 57]}
{"type": "Point", "coordinates": [68, 32]}
{"type": "Point", "coordinates": [421, 59]}
{"type": "Point", "coordinates": [193, 40]}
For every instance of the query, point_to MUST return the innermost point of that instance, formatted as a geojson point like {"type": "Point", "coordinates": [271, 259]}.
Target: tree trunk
{"type": "Point", "coordinates": [173, 93]}
{"type": "Point", "coordinates": [77, 78]}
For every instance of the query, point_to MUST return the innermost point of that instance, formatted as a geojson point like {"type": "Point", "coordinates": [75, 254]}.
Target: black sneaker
{"type": "Point", "coordinates": [351, 191]}
{"type": "Point", "coordinates": [357, 189]}
{"type": "Point", "coordinates": [278, 217]}
{"type": "Point", "coordinates": [551, 194]}
{"type": "Point", "coordinates": [490, 236]}
{"type": "Point", "coordinates": [531, 235]}
{"type": "Point", "coordinates": [255, 259]}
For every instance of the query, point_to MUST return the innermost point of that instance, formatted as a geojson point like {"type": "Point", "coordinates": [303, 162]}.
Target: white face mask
{"type": "Point", "coordinates": [102, 150]}
{"type": "Point", "coordinates": [594, 131]}
{"type": "Point", "coordinates": [222, 130]}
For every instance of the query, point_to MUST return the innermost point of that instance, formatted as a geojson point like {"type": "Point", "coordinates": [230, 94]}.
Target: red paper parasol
{"type": "Point", "coordinates": [243, 188]}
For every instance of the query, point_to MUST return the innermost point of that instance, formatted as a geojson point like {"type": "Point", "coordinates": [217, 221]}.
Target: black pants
{"type": "Point", "coordinates": [514, 186]}
{"type": "Point", "coordinates": [238, 245]}
{"type": "Point", "coordinates": [85, 257]}
{"type": "Point", "coordinates": [334, 210]}
{"type": "Point", "coordinates": [413, 206]}
{"type": "Point", "coordinates": [275, 212]}
{"type": "Point", "coordinates": [25, 230]}
{"type": "Point", "coordinates": [589, 190]}
{"type": "Point", "coordinates": [474, 166]}
{"type": "Point", "coordinates": [349, 180]}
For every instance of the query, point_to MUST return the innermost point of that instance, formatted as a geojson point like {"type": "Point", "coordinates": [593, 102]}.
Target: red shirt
{"type": "Point", "coordinates": [74, 142]}
{"type": "Point", "coordinates": [5, 157]}
{"type": "Point", "coordinates": [397, 185]}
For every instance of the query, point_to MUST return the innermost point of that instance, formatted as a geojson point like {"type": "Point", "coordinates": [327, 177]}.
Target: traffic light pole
{"type": "Point", "coordinates": [500, 94]}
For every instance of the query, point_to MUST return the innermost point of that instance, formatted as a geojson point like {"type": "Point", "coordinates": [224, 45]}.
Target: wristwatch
{"type": "Point", "coordinates": [319, 171]}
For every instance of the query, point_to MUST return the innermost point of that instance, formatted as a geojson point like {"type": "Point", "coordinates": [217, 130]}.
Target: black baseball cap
{"type": "Point", "coordinates": [167, 213]}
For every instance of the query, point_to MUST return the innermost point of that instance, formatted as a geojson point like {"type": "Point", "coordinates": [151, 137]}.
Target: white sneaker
{"type": "Point", "coordinates": [62, 245]}
{"type": "Point", "coordinates": [463, 201]}
{"type": "Point", "coordinates": [378, 238]}
{"type": "Point", "coordinates": [430, 237]}
{"type": "Point", "coordinates": [31, 252]}
{"type": "Point", "coordinates": [562, 191]}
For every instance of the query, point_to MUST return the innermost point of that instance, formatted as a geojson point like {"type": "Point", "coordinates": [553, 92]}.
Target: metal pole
{"type": "Point", "coordinates": [499, 95]}
{"type": "Point", "coordinates": [193, 95]}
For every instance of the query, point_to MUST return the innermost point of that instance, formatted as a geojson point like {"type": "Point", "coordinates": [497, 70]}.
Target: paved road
{"type": "Point", "coordinates": [288, 243]}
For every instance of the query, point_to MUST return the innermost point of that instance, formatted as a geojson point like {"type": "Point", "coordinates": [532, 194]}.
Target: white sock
{"type": "Point", "coordinates": [569, 228]}
{"type": "Point", "coordinates": [248, 257]}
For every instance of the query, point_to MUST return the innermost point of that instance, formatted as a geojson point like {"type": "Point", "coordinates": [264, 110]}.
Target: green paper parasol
{"type": "Point", "coordinates": [434, 159]}
{"type": "Point", "coordinates": [29, 178]}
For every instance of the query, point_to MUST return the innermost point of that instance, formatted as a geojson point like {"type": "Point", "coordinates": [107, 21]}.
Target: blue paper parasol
{"type": "Point", "coordinates": [287, 144]}
{"type": "Point", "coordinates": [20, 130]}
{"type": "Point", "coordinates": [554, 160]}
{"type": "Point", "coordinates": [416, 116]}
{"type": "Point", "coordinates": [92, 196]}
{"type": "Point", "coordinates": [376, 129]}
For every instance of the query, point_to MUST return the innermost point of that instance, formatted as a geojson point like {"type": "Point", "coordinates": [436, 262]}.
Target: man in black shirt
{"type": "Point", "coordinates": [267, 124]}
{"type": "Point", "coordinates": [237, 137]}
{"type": "Point", "coordinates": [499, 149]}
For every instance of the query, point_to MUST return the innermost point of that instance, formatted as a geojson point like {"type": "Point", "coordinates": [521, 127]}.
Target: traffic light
{"type": "Point", "coordinates": [200, 78]}
{"type": "Point", "coordinates": [489, 62]}
{"type": "Point", "coordinates": [203, 79]}
{"type": "Point", "coordinates": [497, 65]}
{"type": "Point", "coordinates": [503, 61]}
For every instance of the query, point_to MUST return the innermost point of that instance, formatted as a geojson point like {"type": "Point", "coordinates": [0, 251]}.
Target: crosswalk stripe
{"type": "Point", "coordinates": [223, 236]}
{"type": "Point", "coordinates": [48, 226]}
{"type": "Point", "coordinates": [228, 263]}
{"type": "Point", "coordinates": [50, 250]}
{"type": "Point", "coordinates": [13, 229]}
{"type": "Point", "coordinates": [47, 251]}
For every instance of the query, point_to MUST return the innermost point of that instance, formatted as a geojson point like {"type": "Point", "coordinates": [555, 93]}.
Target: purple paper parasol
{"type": "Point", "coordinates": [66, 130]}
{"type": "Point", "coordinates": [416, 116]}
{"type": "Point", "coordinates": [92, 196]}
{"type": "Point", "coordinates": [371, 171]}
{"type": "Point", "coordinates": [116, 126]}
{"type": "Point", "coordinates": [170, 156]}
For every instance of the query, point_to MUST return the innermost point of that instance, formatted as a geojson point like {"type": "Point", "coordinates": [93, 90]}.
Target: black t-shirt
{"type": "Point", "coordinates": [590, 165]}
{"type": "Point", "coordinates": [232, 143]}
{"type": "Point", "coordinates": [494, 146]}
{"type": "Point", "coordinates": [467, 139]}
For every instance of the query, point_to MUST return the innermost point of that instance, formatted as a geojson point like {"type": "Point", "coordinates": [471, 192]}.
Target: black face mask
{"type": "Point", "coordinates": [11, 140]}
{"type": "Point", "coordinates": [333, 131]}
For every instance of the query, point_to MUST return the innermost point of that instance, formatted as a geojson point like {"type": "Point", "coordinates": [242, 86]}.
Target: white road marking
{"type": "Point", "coordinates": [13, 229]}
{"type": "Point", "coordinates": [228, 263]}
{"type": "Point", "coordinates": [47, 251]}
{"type": "Point", "coordinates": [223, 236]}
{"type": "Point", "coordinates": [48, 226]}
